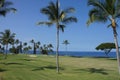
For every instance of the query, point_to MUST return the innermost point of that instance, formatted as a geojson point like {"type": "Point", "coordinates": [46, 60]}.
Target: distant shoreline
{"type": "Point", "coordinates": [78, 53]}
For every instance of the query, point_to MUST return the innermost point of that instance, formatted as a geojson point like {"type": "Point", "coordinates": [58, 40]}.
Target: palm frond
{"type": "Point", "coordinates": [69, 19]}
{"type": "Point", "coordinates": [3, 13]}
{"type": "Point", "coordinates": [45, 23]}
{"type": "Point", "coordinates": [117, 10]}
{"type": "Point", "coordinates": [109, 25]}
{"type": "Point", "coordinates": [62, 15]}
{"type": "Point", "coordinates": [54, 9]}
{"type": "Point", "coordinates": [69, 10]}
{"type": "Point", "coordinates": [61, 27]}
{"type": "Point", "coordinates": [88, 22]}
{"type": "Point", "coordinates": [98, 4]}
{"type": "Point", "coordinates": [110, 6]}
{"type": "Point", "coordinates": [4, 7]}
{"type": "Point", "coordinates": [96, 15]}
{"type": "Point", "coordinates": [1, 3]}
{"type": "Point", "coordinates": [48, 12]}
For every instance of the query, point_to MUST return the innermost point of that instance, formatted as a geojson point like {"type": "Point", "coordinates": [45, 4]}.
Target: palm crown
{"type": "Point", "coordinates": [103, 11]}
{"type": "Point", "coordinates": [4, 7]}
{"type": "Point", "coordinates": [55, 15]}
{"type": "Point", "coordinates": [59, 18]}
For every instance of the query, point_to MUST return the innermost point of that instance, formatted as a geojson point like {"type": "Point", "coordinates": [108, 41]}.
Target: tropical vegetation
{"type": "Point", "coordinates": [4, 7]}
{"type": "Point", "coordinates": [104, 11]}
{"type": "Point", "coordinates": [59, 18]}
{"type": "Point", "coordinates": [9, 43]}
{"type": "Point", "coordinates": [66, 42]}
{"type": "Point", "coordinates": [46, 49]}
{"type": "Point", "coordinates": [6, 38]}
{"type": "Point", "coordinates": [106, 47]}
{"type": "Point", "coordinates": [35, 45]}
{"type": "Point", "coordinates": [41, 67]}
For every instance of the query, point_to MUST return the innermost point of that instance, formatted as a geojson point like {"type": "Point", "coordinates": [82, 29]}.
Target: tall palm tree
{"type": "Point", "coordinates": [7, 38]}
{"type": "Point", "coordinates": [104, 11]}
{"type": "Point", "coordinates": [66, 42]}
{"type": "Point", "coordinates": [59, 18]}
{"type": "Point", "coordinates": [4, 7]}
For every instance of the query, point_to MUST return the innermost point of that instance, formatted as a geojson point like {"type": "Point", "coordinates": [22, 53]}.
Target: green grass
{"type": "Point", "coordinates": [24, 67]}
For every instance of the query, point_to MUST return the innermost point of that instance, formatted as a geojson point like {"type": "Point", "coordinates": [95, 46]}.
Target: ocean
{"type": "Point", "coordinates": [85, 54]}
{"type": "Point", "coordinates": [81, 54]}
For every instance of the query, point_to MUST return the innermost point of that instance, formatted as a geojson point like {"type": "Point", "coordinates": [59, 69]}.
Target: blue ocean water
{"type": "Point", "coordinates": [81, 54]}
{"type": "Point", "coordinates": [85, 54]}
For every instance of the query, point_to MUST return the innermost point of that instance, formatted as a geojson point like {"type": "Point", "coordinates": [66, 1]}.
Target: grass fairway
{"type": "Point", "coordinates": [24, 67]}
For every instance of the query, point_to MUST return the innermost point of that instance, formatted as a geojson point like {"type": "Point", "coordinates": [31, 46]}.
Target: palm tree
{"type": "Point", "coordinates": [104, 11]}
{"type": "Point", "coordinates": [35, 45]}
{"type": "Point", "coordinates": [45, 49]}
{"type": "Point", "coordinates": [15, 49]}
{"type": "Point", "coordinates": [20, 47]}
{"type": "Point", "coordinates": [4, 7]}
{"type": "Point", "coordinates": [59, 18]}
{"type": "Point", "coordinates": [7, 38]}
{"type": "Point", "coordinates": [65, 42]}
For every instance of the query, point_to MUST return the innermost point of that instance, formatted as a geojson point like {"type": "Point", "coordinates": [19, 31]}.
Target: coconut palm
{"type": "Point", "coordinates": [35, 45]}
{"type": "Point", "coordinates": [59, 18]}
{"type": "Point", "coordinates": [4, 7]}
{"type": "Point", "coordinates": [106, 11]}
{"type": "Point", "coordinates": [45, 49]}
{"type": "Point", "coordinates": [65, 42]}
{"type": "Point", "coordinates": [6, 38]}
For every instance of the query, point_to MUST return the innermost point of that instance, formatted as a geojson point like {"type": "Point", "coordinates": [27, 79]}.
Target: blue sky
{"type": "Point", "coordinates": [81, 37]}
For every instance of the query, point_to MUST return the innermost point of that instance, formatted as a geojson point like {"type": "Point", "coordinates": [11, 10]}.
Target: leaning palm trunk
{"type": "Point", "coordinates": [57, 49]}
{"type": "Point", "coordinates": [117, 48]}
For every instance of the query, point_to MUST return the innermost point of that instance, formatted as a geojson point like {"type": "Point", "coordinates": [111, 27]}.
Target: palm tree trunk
{"type": "Point", "coordinates": [34, 50]}
{"type": "Point", "coordinates": [66, 48]}
{"type": "Point", "coordinates": [6, 51]}
{"type": "Point", "coordinates": [20, 49]}
{"type": "Point", "coordinates": [57, 49]}
{"type": "Point", "coordinates": [117, 48]}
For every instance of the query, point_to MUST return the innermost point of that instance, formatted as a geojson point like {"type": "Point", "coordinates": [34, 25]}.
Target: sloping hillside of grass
{"type": "Point", "coordinates": [25, 67]}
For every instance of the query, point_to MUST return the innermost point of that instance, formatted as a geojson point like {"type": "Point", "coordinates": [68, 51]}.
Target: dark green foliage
{"type": "Point", "coordinates": [106, 47]}
{"type": "Point", "coordinates": [45, 49]}
{"type": "Point", "coordinates": [36, 45]}
{"type": "Point", "coordinates": [6, 38]}
{"type": "Point", "coordinates": [103, 46]}
{"type": "Point", "coordinates": [4, 7]}
{"type": "Point", "coordinates": [14, 50]}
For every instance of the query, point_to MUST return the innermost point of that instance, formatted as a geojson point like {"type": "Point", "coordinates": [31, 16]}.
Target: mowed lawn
{"type": "Point", "coordinates": [25, 67]}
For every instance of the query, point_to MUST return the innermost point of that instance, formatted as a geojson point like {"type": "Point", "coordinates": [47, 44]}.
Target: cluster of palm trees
{"type": "Point", "coordinates": [7, 40]}
{"type": "Point", "coordinates": [102, 11]}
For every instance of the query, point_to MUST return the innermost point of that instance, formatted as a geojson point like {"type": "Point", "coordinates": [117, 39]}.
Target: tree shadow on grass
{"type": "Point", "coordinates": [95, 70]}
{"type": "Point", "coordinates": [12, 63]}
{"type": "Point", "coordinates": [28, 59]}
{"type": "Point", "coordinates": [2, 70]}
{"type": "Point", "coordinates": [46, 67]}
